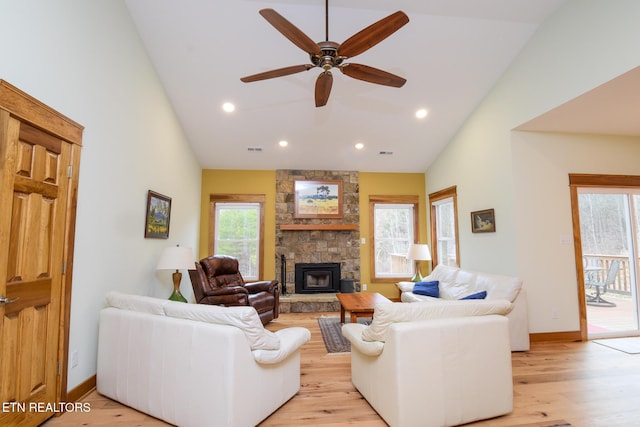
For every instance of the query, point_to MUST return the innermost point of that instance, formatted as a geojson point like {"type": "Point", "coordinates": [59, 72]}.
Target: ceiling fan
{"type": "Point", "coordinates": [328, 54]}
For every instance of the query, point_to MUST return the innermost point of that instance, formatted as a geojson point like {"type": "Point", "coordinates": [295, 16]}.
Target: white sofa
{"type": "Point", "coordinates": [428, 365]}
{"type": "Point", "coordinates": [195, 365]}
{"type": "Point", "coordinates": [455, 283]}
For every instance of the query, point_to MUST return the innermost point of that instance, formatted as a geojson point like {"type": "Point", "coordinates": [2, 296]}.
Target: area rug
{"type": "Point", "coordinates": [629, 345]}
{"type": "Point", "coordinates": [331, 330]}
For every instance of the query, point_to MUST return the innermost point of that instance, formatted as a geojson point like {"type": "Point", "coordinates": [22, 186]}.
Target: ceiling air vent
{"type": "Point", "coordinates": [385, 153]}
{"type": "Point", "coordinates": [254, 149]}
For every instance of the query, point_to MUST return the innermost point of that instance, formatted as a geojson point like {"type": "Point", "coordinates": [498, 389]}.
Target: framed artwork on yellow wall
{"type": "Point", "coordinates": [318, 199]}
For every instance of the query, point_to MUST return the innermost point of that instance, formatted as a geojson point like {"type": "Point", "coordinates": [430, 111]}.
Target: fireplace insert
{"type": "Point", "coordinates": [317, 277]}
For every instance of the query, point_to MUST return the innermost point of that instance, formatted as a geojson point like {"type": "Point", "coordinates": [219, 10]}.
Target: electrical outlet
{"type": "Point", "coordinates": [554, 313]}
{"type": "Point", "coordinates": [363, 241]}
{"type": "Point", "coordinates": [566, 239]}
{"type": "Point", "coordinates": [74, 358]}
{"type": "Point", "coordinates": [364, 286]}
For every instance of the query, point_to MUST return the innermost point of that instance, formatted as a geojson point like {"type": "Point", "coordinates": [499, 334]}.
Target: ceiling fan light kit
{"type": "Point", "coordinates": [327, 54]}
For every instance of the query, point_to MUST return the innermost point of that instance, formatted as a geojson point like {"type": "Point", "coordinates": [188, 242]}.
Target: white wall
{"type": "Point", "coordinates": [586, 43]}
{"type": "Point", "coordinates": [84, 59]}
{"type": "Point", "coordinates": [544, 213]}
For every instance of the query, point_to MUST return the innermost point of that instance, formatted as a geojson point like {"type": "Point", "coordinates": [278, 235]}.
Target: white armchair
{"type": "Point", "coordinates": [418, 367]}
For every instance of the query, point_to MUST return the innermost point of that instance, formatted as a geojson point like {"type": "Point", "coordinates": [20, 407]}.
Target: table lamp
{"type": "Point", "coordinates": [418, 252]}
{"type": "Point", "coordinates": [176, 258]}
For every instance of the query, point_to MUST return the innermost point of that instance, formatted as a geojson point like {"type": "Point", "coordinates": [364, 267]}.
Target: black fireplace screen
{"type": "Point", "coordinates": [317, 277]}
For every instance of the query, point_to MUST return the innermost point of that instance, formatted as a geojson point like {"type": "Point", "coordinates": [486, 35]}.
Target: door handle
{"type": "Point", "coordinates": [5, 300]}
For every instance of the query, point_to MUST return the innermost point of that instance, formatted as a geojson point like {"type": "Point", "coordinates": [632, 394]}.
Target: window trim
{"type": "Point", "coordinates": [433, 198]}
{"type": "Point", "coordinates": [400, 200]}
{"type": "Point", "coordinates": [237, 198]}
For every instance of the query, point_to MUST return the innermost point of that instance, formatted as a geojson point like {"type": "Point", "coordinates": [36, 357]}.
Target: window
{"type": "Point", "coordinates": [236, 229]}
{"type": "Point", "coordinates": [444, 228]}
{"type": "Point", "coordinates": [394, 228]}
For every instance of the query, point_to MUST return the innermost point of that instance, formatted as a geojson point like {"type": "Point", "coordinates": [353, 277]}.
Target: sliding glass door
{"type": "Point", "coordinates": [609, 222]}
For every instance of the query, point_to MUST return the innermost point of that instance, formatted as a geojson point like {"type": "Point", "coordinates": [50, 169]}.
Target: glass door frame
{"type": "Point", "coordinates": [577, 181]}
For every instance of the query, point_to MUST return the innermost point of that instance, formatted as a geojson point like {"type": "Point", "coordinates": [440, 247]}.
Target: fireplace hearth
{"type": "Point", "coordinates": [319, 277]}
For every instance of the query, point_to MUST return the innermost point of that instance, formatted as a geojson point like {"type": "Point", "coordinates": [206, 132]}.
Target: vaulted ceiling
{"type": "Point", "coordinates": [451, 53]}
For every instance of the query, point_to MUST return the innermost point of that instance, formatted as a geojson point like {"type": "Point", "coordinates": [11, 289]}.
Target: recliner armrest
{"type": "Point", "coordinates": [229, 290]}
{"type": "Point", "coordinates": [264, 285]}
{"type": "Point", "coordinates": [229, 296]}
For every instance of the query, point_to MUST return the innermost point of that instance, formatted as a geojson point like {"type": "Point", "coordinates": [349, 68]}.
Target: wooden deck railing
{"type": "Point", "coordinates": [622, 284]}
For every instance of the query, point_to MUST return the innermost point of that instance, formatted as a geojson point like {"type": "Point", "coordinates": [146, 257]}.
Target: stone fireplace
{"type": "Point", "coordinates": [317, 240]}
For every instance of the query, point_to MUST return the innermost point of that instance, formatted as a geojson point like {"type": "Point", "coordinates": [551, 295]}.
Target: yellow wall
{"type": "Point", "coordinates": [386, 184]}
{"type": "Point", "coordinates": [264, 182]}
{"type": "Point", "coordinates": [242, 182]}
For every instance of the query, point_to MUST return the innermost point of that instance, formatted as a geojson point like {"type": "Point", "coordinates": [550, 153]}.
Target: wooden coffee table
{"type": "Point", "coordinates": [359, 304]}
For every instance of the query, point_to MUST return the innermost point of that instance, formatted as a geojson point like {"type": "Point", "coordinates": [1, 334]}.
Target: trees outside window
{"type": "Point", "coordinates": [606, 219]}
{"type": "Point", "coordinates": [394, 228]}
{"type": "Point", "coordinates": [236, 229]}
{"type": "Point", "coordinates": [444, 227]}
{"type": "Point", "coordinates": [603, 225]}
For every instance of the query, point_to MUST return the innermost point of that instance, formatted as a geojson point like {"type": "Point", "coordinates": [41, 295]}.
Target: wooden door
{"type": "Point", "coordinates": [35, 183]}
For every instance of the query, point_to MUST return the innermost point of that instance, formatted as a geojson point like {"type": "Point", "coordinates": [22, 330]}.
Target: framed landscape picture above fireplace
{"type": "Point", "coordinates": [318, 199]}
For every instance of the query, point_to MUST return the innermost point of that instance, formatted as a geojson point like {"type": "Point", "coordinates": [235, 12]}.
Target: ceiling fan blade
{"type": "Point", "coordinates": [290, 31]}
{"type": "Point", "coordinates": [323, 88]}
{"type": "Point", "coordinates": [373, 34]}
{"type": "Point", "coordinates": [277, 73]}
{"type": "Point", "coordinates": [372, 75]}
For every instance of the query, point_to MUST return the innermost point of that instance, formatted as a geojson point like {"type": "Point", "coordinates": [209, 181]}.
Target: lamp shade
{"type": "Point", "coordinates": [176, 258]}
{"type": "Point", "coordinates": [419, 252]}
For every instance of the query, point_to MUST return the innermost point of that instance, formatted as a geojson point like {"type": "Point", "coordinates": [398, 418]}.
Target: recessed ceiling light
{"type": "Point", "coordinates": [359, 145]}
{"type": "Point", "coordinates": [283, 143]}
{"type": "Point", "coordinates": [228, 107]}
{"type": "Point", "coordinates": [421, 113]}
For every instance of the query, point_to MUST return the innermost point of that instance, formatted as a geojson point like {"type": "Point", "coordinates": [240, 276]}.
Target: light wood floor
{"type": "Point", "coordinates": [555, 384]}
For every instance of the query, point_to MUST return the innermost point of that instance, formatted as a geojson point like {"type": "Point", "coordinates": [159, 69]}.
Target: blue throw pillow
{"type": "Point", "coordinates": [429, 289]}
{"type": "Point", "coordinates": [479, 295]}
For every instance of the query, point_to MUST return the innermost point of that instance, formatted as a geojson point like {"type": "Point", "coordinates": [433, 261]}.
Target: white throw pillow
{"type": "Point", "coordinates": [443, 273]}
{"type": "Point", "coordinates": [139, 303]}
{"type": "Point", "coordinates": [386, 314]}
{"type": "Point", "coordinates": [406, 286]}
{"type": "Point", "coordinates": [497, 287]}
{"type": "Point", "coordinates": [463, 284]}
{"type": "Point", "coordinates": [245, 318]}
{"type": "Point", "coordinates": [454, 291]}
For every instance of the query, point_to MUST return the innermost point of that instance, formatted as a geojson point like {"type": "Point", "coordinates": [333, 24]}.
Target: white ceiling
{"type": "Point", "coordinates": [451, 53]}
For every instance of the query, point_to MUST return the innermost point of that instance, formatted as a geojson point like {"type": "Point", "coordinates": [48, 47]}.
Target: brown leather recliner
{"type": "Point", "coordinates": [216, 280]}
